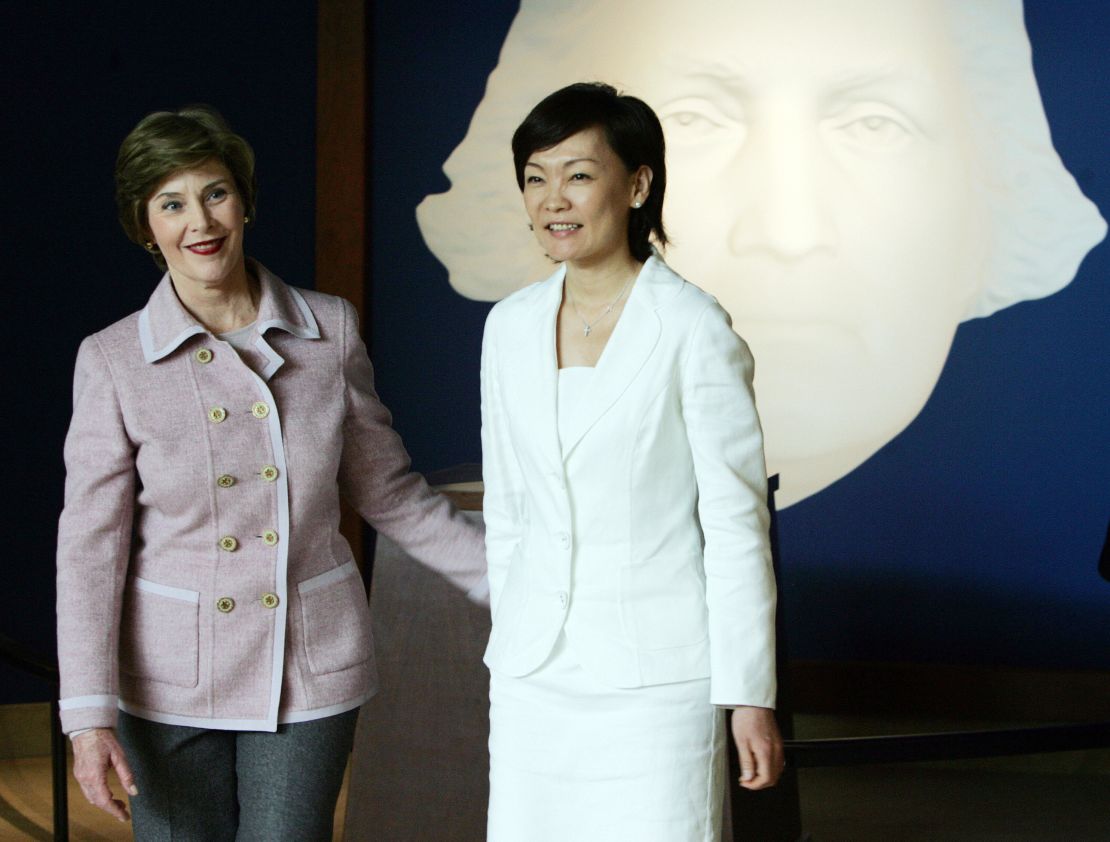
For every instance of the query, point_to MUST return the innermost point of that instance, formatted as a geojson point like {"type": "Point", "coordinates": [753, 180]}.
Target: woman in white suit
{"type": "Point", "coordinates": [625, 505]}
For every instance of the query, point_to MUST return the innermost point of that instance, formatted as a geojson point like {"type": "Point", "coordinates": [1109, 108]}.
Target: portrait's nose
{"type": "Point", "coordinates": [781, 207]}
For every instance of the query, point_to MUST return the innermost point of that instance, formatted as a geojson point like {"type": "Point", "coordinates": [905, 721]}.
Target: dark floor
{"type": "Point", "coordinates": [1063, 796]}
{"type": "Point", "coordinates": [1035, 798]}
{"type": "Point", "coordinates": [909, 803]}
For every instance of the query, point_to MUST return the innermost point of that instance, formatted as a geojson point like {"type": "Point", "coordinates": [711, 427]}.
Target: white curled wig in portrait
{"type": "Point", "coordinates": [926, 190]}
{"type": "Point", "coordinates": [1044, 225]}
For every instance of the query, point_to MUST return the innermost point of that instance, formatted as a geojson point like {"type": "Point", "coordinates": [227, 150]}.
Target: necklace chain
{"type": "Point", "coordinates": [589, 326]}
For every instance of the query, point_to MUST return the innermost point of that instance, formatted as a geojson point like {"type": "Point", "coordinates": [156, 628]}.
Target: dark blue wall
{"type": "Point", "coordinates": [77, 77]}
{"type": "Point", "coordinates": [971, 538]}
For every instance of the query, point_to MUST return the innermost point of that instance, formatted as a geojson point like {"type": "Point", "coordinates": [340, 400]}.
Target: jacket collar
{"type": "Point", "coordinates": [164, 324]}
{"type": "Point", "coordinates": [656, 284]}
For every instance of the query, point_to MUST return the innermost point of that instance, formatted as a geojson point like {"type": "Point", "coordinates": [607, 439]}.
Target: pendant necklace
{"type": "Point", "coordinates": [589, 326]}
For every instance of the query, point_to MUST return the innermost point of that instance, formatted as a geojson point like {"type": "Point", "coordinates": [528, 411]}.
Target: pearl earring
{"type": "Point", "coordinates": [637, 205]}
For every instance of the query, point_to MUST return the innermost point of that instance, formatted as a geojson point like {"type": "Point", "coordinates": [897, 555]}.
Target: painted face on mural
{"type": "Point", "coordinates": [825, 183]}
{"type": "Point", "coordinates": [821, 190]}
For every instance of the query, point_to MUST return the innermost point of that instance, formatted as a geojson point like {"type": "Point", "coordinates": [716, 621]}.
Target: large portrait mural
{"type": "Point", "coordinates": [850, 178]}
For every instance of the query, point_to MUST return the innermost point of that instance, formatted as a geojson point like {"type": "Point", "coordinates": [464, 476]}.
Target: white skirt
{"type": "Point", "coordinates": [572, 760]}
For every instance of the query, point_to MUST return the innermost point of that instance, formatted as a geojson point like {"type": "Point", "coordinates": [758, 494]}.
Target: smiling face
{"type": "Point", "coordinates": [578, 195]}
{"type": "Point", "coordinates": [196, 219]}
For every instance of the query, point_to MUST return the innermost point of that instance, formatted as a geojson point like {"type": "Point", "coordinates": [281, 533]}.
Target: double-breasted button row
{"type": "Point", "coordinates": [225, 604]}
{"type": "Point", "coordinates": [229, 543]}
{"type": "Point", "coordinates": [268, 473]}
{"type": "Point", "coordinates": [259, 409]}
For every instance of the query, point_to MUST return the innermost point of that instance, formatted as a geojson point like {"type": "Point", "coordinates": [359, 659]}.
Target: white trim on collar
{"type": "Point", "coordinates": [146, 338]}
{"type": "Point", "coordinates": [308, 330]}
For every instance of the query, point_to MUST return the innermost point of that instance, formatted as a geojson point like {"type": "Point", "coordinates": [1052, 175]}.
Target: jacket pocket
{"type": "Point", "coordinates": [663, 600]}
{"type": "Point", "coordinates": [160, 632]}
{"type": "Point", "coordinates": [336, 620]}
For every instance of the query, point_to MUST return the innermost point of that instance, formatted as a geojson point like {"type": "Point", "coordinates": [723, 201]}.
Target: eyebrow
{"type": "Point", "coordinates": [845, 82]}
{"type": "Point", "coordinates": [209, 185]}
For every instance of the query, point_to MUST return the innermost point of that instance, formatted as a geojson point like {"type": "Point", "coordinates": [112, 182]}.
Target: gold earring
{"type": "Point", "coordinates": [149, 246]}
{"type": "Point", "coordinates": [246, 219]}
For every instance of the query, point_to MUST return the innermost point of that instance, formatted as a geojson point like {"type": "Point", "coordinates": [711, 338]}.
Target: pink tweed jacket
{"type": "Point", "coordinates": [202, 578]}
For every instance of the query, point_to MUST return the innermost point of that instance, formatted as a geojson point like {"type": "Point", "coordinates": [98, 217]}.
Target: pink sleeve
{"type": "Point", "coordinates": [94, 544]}
{"type": "Point", "coordinates": [376, 477]}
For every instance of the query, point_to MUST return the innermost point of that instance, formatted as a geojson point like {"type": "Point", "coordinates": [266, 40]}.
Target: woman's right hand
{"type": "Point", "coordinates": [94, 753]}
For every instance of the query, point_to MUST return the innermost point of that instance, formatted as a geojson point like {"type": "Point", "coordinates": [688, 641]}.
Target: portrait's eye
{"type": "Point", "coordinates": [873, 126]}
{"type": "Point", "coordinates": [580, 176]}
{"type": "Point", "coordinates": [171, 205]}
{"type": "Point", "coordinates": [875, 130]}
{"type": "Point", "coordinates": [217, 194]}
{"type": "Point", "coordinates": [694, 119]}
{"type": "Point", "coordinates": [533, 179]}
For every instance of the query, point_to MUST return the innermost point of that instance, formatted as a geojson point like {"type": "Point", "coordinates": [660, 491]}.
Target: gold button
{"type": "Point", "coordinates": [225, 481]}
{"type": "Point", "coordinates": [217, 414]}
{"type": "Point", "coordinates": [228, 543]}
{"type": "Point", "coordinates": [225, 604]}
{"type": "Point", "coordinates": [270, 600]}
{"type": "Point", "coordinates": [259, 409]}
{"type": "Point", "coordinates": [269, 473]}
{"type": "Point", "coordinates": [269, 538]}
{"type": "Point", "coordinates": [203, 355]}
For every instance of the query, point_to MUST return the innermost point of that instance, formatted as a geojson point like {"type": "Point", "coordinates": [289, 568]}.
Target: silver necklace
{"type": "Point", "coordinates": [588, 326]}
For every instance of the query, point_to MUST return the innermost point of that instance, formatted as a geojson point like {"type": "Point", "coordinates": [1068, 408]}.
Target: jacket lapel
{"type": "Point", "coordinates": [629, 348]}
{"type": "Point", "coordinates": [534, 368]}
{"type": "Point", "coordinates": [280, 306]}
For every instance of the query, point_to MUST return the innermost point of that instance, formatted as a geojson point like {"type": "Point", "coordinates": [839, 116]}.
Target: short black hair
{"type": "Point", "coordinates": [632, 130]}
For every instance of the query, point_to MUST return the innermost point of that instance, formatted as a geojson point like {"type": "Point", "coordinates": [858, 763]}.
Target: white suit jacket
{"type": "Point", "coordinates": [659, 494]}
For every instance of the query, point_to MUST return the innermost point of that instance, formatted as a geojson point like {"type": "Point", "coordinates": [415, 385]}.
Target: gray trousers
{"type": "Point", "coordinates": [205, 785]}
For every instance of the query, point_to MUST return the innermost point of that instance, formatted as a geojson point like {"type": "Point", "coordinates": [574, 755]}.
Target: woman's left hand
{"type": "Point", "coordinates": [759, 745]}
{"type": "Point", "coordinates": [94, 753]}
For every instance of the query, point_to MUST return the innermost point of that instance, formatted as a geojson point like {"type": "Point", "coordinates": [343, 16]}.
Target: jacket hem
{"type": "Point", "coordinates": [230, 724]}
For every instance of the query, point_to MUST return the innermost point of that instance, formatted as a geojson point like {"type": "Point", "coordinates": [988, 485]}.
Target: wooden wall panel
{"type": "Point", "coordinates": [342, 246]}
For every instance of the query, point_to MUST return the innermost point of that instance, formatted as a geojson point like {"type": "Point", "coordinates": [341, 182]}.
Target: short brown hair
{"type": "Point", "coordinates": [166, 142]}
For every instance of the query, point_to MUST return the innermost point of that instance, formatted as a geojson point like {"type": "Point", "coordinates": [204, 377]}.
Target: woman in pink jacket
{"type": "Point", "coordinates": [213, 630]}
